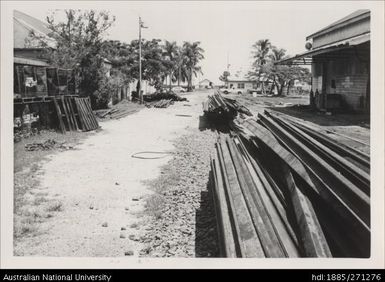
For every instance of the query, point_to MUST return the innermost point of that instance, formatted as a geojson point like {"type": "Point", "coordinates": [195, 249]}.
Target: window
{"type": "Point", "coordinates": [241, 85]}
{"type": "Point", "coordinates": [333, 83]}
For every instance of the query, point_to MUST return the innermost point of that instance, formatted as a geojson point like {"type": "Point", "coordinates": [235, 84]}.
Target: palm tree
{"type": "Point", "coordinates": [261, 51]}
{"type": "Point", "coordinates": [260, 54]}
{"type": "Point", "coordinates": [192, 55]}
{"type": "Point", "coordinates": [276, 55]}
{"type": "Point", "coordinates": [171, 54]}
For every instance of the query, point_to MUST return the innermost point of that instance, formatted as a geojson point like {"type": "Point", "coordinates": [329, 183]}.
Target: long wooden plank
{"type": "Point", "coordinates": [353, 153]}
{"type": "Point", "coordinates": [359, 229]}
{"type": "Point", "coordinates": [228, 248]}
{"type": "Point", "coordinates": [313, 239]}
{"type": "Point", "coordinates": [250, 245]}
{"type": "Point", "coordinates": [348, 195]}
{"type": "Point", "coordinates": [356, 175]}
{"type": "Point", "coordinates": [276, 211]}
{"type": "Point", "coordinates": [338, 147]}
{"type": "Point", "coordinates": [310, 176]}
{"type": "Point", "coordinates": [262, 223]}
{"type": "Point", "coordinates": [59, 116]}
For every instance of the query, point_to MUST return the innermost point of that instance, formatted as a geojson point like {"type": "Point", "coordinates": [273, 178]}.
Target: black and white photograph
{"type": "Point", "coordinates": [142, 131]}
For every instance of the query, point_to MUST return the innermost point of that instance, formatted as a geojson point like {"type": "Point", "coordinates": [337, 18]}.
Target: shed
{"type": "Point", "coordinates": [339, 55]}
{"type": "Point", "coordinates": [205, 83]}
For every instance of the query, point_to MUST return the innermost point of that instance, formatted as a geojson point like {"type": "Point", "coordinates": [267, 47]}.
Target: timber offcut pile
{"type": "Point", "coordinates": [282, 190]}
{"type": "Point", "coordinates": [218, 107]}
{"type": "Point", "coordinates": [164, 103]}
{"type": "Point", "coordinates": [162, 100]}
{"type": "Point", "coordinates": [118, 111]}
{"type": "Point", "coordinates": [115, 113]}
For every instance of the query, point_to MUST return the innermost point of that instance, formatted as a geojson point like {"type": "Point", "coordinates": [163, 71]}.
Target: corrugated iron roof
{"type": "Point", "coordinates": [351, 18]}
{"type": "Point", "coordinates": [24, 24]}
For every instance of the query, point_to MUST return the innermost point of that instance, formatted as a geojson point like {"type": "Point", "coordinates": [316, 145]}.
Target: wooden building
{"type": "Point", "coordinates": [339, 55]}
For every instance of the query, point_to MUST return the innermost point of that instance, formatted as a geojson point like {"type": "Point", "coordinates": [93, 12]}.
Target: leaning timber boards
{"type": "Point", "coordinates": [82, 118]}
{"type": "Point", "coordinates": [66, 113]}
{"type": "Point", "coordinates": [73, 114]}
{"type": "Point", "coordinates": [90, 126]}
{"type": "Point", "coordinates": [91, 114]}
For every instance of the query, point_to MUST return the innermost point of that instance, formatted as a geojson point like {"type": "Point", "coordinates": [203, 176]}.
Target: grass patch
{"type": "Point", "coordinates": [154, 205]}
{"type": "Point", "coordinates": [32, 206]}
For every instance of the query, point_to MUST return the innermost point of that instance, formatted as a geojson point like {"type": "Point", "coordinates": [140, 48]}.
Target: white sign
{"type": "Point", "coordinates": [30, 82]}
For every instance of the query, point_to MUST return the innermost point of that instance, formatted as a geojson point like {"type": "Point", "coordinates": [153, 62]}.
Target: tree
{"type": "Point", "coordinates": [171, 59]}
{"type": "Point", "coordinates": [78, 39]}
{"type": "Point", "coordinates": [224, 76]}
{"type": "Point", "coordinates": [280, 76]}
{"type": "Point", "coordinates": [285, 75]}
{"type": "Point", "coordinates": [192, 54]}
{"type": "Point", "coordinates": [260, 52]}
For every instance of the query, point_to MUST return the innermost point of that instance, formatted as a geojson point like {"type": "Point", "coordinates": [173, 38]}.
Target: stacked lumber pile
{"type": "Point", "coordinates": [282, 190]}
{"type": "Point", "coordinates": [218, 107]}
{"type": "Point", "coordinates": [116, 113]}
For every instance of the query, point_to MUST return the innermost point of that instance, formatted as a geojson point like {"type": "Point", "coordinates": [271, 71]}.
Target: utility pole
{"type": "Point", "coordinates": [140, 60]}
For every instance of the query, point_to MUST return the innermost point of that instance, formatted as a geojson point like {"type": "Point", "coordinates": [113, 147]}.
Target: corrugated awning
{"type": "Point", "coordinates": [306, 57]}
{"type": "Point", "coordinates": [31, 62]}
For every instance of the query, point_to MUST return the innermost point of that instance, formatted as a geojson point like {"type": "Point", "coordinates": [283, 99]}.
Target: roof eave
{"type": "Point", "coordinates": [339, 25]}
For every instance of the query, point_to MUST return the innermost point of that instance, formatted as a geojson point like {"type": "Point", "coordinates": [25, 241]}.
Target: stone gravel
{"type": "Point", "coordinates": [181, 219]}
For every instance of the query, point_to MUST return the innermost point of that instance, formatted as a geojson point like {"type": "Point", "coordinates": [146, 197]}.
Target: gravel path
{"type": "Point", "coordinates": [182, 222]}
{"type": "Point", "coordinates": [102, 189]}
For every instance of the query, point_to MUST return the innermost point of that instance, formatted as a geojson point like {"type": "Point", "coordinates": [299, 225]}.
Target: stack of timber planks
{"type": "Point", "coordinates": [283, 190]}
{"type": "Point", "coordinates": [219, 107]}
{"type": "Point", "coordinates": [115, 113]}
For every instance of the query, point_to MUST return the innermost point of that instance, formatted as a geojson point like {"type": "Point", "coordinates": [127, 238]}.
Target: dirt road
{"type": "Point", "coordinates": [101, 187]}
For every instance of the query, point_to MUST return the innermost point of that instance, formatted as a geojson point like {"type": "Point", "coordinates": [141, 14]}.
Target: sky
{"type": "Point", "coordinates": [226, 29]}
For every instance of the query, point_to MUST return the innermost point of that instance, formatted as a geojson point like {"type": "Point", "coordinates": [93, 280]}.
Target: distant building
{"type": "Point", "coordinates": [339, 55]}
{"type": "Point", "coordinates": [240, 82]}
{"type": "Point", "coordinates": [205, 83]}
